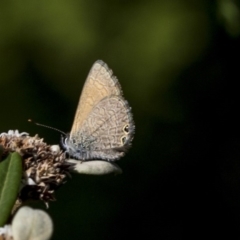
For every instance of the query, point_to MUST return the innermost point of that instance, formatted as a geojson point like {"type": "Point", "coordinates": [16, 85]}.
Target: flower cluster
{"type": "Point", "coordinates": [45, 167]}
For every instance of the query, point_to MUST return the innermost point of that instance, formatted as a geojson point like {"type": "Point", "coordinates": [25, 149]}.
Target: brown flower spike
{"type": "Point", "coordinates": [45, 168]}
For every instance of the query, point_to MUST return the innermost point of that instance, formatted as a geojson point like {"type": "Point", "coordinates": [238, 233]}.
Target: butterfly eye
{"type": "Point", "coordinates": [126, 128]}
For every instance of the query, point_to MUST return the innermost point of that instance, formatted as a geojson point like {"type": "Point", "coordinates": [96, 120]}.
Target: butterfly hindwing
{"type": "Point", "coordinates": [108, 130]}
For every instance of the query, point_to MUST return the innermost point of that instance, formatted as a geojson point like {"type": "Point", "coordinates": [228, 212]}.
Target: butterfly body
{"type": "Point", "coordinates": [103, 127]}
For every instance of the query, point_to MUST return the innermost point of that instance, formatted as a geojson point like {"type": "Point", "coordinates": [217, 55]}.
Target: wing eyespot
{"type": "Point", "coordinates": [123, 140]}
{"type": "Point", "coordinates": [126, 128]}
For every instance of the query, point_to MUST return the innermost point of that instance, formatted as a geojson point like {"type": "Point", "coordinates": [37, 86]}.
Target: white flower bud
{"type": "Point", "coordinates": [30, 224]}
{"type": "Point", "coordinates": [94, 167]}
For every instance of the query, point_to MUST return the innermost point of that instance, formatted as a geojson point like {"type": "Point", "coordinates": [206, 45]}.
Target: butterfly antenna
{"type": "Point", "coordinates": [42, 125]}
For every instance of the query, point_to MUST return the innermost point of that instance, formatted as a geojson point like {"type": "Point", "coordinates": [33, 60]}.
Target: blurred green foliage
{"type": "Point", "coordinates": [174, 60]}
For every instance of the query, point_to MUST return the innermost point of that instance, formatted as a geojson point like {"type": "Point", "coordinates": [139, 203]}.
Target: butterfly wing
{"type": "Point", "coordinates": [99, 84]}
{"type": "Point", "coordinates": [108, 130]}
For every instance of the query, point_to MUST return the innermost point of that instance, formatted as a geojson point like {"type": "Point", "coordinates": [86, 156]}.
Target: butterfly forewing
{"type": "Point", "coordinates": [99, 84]}
{"type": "Point", "coordinates": [103, 127]}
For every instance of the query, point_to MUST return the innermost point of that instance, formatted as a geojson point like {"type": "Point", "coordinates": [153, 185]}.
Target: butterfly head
{"type": "Point", "coordinates": [74, 149]}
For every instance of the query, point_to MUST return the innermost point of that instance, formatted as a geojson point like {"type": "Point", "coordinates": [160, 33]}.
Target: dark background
{"type": "Point", "coordinates": [178, 64]}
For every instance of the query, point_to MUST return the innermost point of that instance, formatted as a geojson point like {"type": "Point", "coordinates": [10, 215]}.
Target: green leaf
{"type": "Point", "coordinates": [1, 151]}
{"type": "Point", "coordinates": [10, 178]}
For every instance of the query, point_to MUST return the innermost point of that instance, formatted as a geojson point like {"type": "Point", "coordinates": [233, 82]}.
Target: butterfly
{"type": "Point", "coordinates": [103, 126]}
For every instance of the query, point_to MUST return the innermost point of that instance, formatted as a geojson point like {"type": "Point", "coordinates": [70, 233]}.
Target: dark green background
{"type": "Point", "coordinates": [178, 64]}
